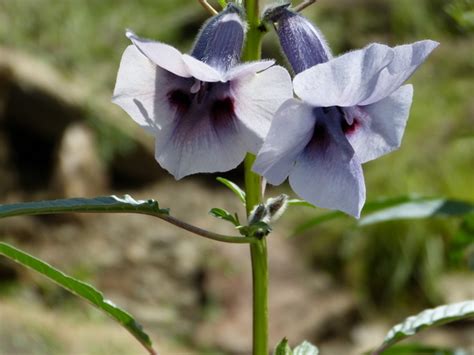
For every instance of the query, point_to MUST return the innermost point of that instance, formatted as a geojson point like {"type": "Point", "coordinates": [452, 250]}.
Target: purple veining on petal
{"type": "Point", "coordinates": [222, 112]}
{"type": "Point", "coordinates": [331, 123]}
{"type": "Point", "coordinates": [320, 139]}
{"type": "Point", "coordinates": [327, 173]}
{"type": "Point", "coordinates": [201, 108]}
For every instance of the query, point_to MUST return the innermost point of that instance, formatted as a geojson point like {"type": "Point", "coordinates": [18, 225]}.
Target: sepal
{"type": "Point", "coordinates": [220, 41]}
{"type": "Point", "coordinates": [303, 44]}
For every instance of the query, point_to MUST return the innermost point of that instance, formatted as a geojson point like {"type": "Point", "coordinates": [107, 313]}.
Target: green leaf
{"type": "Point", "coordinates": [80, 289]}
{"type": "Point", "coordinates": [302, 203]}
{"type": "Point", "coordinates": [315, 221]}
{"type": "Point", "coordinates": [422, 208]}
{"type": "Point", "coordinates": [368, 207]}
{"type": "Point", "coordinates": [283, 348]}
{"type": "Point", "coordinates": [306, 348]}
{"type": "Point", "coordinates": [427, 319]}
{"type": "Point", "coordinates": [109, 204]}
{"type": "Point", "coordinates": [401, 207]}
{"type": "Point", "coordinates": [234, 187]}
{"type": "Point", "coordinates": [223, 214]}
{"type": "Point", "coordinates": [258, 229]}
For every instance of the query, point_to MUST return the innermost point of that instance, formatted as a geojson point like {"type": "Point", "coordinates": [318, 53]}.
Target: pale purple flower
{"type": "Point", "coordinates": [353, 109]}
{"type": "Point", "coordinates": [205, 110]}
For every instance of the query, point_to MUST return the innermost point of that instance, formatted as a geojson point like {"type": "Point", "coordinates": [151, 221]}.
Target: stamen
{"type": "Point", "coordinates": [349, 128]}
{"type": "Point", "coordinates": [196, 86]}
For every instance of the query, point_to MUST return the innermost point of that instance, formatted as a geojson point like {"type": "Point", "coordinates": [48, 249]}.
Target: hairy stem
{"type": "Point", "coordinates": [304, 5]}
{"type": "Point", "coordinates": [253, 187]}
{"type": "Point", "coordinates": [207, 234]}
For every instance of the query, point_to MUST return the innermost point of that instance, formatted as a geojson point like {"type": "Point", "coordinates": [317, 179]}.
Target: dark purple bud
{"type": "Point", "coordinates": [221, 39]}
{"type": "Point", "coordinates": [302, 43]}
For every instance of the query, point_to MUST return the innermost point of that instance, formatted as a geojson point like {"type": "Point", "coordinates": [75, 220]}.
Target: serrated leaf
{"type": "Point", "coordinates": [80, 289]}
{"type": "Point", "coordinates": [233, 187]}
{"type": "Point", "coordinates": [283, 348]}
{"type": "Point", "coordinates": [423, 208]}
{"type": "Point", "coordinates": [306, 348]}
{"type": "Point", "coordinates": [223, 214]}
{"type": "Point", "coordinates": [427, 319]}
{"type": "Point", "coordinates": [109, 204]}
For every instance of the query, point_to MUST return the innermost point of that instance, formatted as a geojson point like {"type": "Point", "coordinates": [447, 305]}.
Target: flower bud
{"type": "Point", "coordinates": [221, 39]}
{"type": "Point", "coordinates": [276, 206]}
{"type": "Point", "coordinates": [303, 44]}
{"type": "Point", "coordinates": [258, 214]}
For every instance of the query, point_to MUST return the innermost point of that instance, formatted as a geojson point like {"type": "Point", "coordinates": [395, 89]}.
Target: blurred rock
{"type": "Point", "coordinates": [37, 106]}
{"type": "Point", "coordinates": [79, 171]}
{"type": "Point", "coordinates": [457, 287]}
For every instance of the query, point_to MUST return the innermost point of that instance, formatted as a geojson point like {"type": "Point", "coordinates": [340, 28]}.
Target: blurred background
{"type": "Point", "coordinates": [337, 284]}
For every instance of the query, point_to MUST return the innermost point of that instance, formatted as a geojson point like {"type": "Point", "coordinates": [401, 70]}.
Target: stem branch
{"type": "Point", "coordinates": [207, 234]}
{"type": "Point", "coordinates": [208, 7]}
{"type": "Point", "coordinates": [304, 5]}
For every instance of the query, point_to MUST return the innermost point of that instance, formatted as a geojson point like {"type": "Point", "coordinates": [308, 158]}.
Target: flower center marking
{"type": "Point", "coordinates": [180, 100]}
{"type": "Point", "coordinates": [350, 128]}
{"type": "Point", "coordinates": [222, 110]}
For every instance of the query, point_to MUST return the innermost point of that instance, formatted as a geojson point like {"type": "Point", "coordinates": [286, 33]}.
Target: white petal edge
{"type": "Point", "coordinates": [248, 68]}
{"type": "Point", "coordinates": [345, 80]}
{"type": "Point", "coordinates": [290, 132]}
{"type": "Point", "coordinates": [201, 70]}
{"type": "Point", "coordinates": [163, 55]}
{"type": "Point", "coordinates": [256, 98]}
{"type": "Point", "coordinates": [406, 60]}
{"type": "Point", "coordinates": [198, 148]}
{"type": "Point", "coordinates": [382, 129]}
{"type": "Point", "coordinates": [135, 89]}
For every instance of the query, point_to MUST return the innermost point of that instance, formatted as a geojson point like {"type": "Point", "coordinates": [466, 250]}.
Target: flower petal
{"type": "Point", "coordinates": [257, 98]}
{"type": "Point", "coordinates": [163, 55]}
{"type": "Point", "coordinates": [406, 60]}
{"type": "Point", "coordinates": [345, 80]}
{"type": "Point", "coordinates": [290, 132]}
{"type": "Point", "coordinates": [198, 145]}
{"type": "Point", "coordinates": [248, 68]}
{"type": "Point", "coordinates": [135, 90]}
{"type": "Point", "coordinates": [361, 77]}
{"type": "Point", "coordinates": [328, 173]}
{"type": "Point", "coordinates": [379, 127]}
{"type": "Point", "coordinates": [201, 70]}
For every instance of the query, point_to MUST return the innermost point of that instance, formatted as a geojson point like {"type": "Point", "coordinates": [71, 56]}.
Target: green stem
{"type": "Point", "coordinates": [253, 188]}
